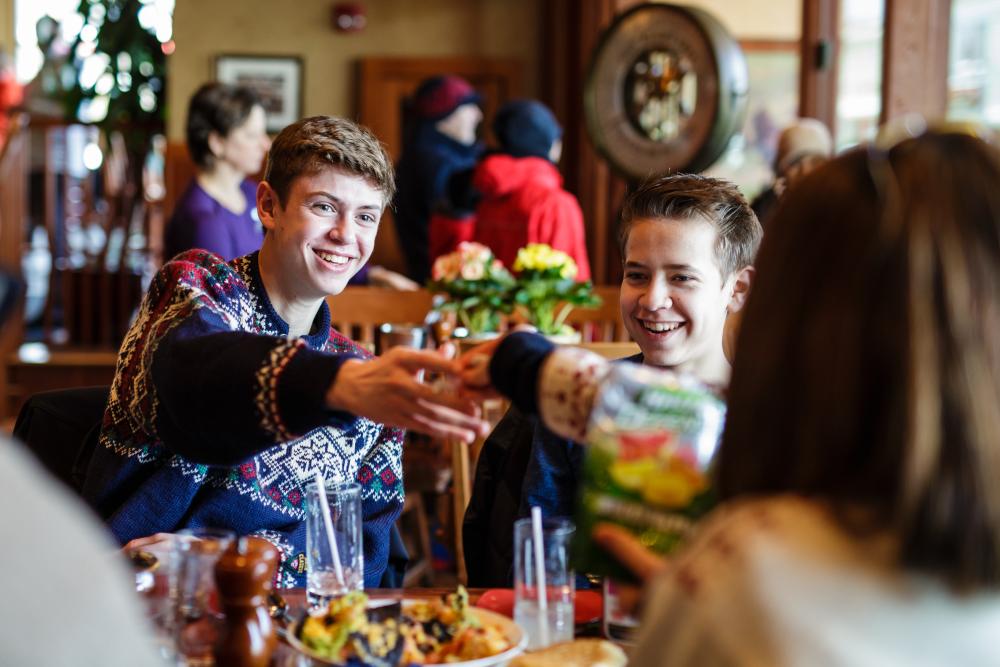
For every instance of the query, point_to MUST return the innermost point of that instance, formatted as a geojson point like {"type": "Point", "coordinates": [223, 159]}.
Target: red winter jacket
{"type": "Point", "coordinates": [523, 202]}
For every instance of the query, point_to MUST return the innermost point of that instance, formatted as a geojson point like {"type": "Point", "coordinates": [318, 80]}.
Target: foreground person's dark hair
{"type": "Point", "coordinates": [867, 371]}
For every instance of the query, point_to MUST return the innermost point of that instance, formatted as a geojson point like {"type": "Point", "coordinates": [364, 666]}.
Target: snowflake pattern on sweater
{"type": "Point", "coordinates": [216, 418]}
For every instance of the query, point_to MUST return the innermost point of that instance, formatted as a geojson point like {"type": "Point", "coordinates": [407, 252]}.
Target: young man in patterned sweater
{"type": "Point", "coordinates": [232, 390]}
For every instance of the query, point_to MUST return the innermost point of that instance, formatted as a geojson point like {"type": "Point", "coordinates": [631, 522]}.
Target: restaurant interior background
{"type": "Point", "coordinates": [83, 225]}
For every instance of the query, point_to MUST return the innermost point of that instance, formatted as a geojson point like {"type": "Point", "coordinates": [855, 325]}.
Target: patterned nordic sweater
{"type": "Point", "coordinates": [217, 419]}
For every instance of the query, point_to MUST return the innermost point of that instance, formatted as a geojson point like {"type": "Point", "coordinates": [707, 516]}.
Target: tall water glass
{"type": "Point", "coordinates": [557, 623]}
{"type": "Point", "coordinates": [324, 579]}
{"type": "Point", "coordinates": [193, 595]}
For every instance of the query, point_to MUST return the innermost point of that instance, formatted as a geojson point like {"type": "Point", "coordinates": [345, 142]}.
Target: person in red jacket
{"type": "Point", "coordinates": [522, 199]}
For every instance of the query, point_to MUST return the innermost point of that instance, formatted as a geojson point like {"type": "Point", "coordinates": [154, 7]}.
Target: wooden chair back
{"type": "Point", "coordinates": [357, 312]}
{"type": "Point", "coordinates": [603, 323]}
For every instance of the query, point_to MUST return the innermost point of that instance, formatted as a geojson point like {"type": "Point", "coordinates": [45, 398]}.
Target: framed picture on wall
{"type": "Point", "coordinates": [277, 79]}
{"type": "Point", "coordinates": [773, 104]}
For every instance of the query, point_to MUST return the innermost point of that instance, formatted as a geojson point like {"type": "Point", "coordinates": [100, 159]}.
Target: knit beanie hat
{"type": "Point", "coordinates": [438, 96]}
{"type": "Point", "coordinates": [804, 137]}
{"type": "Point", "coordinates": [526, 128]}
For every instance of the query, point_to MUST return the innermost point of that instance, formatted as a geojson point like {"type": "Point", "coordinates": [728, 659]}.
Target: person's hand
{"type": "Point", "coordinates": [383, 277]}
{"type": "Point", "coordinates": [474, 370]}
{"type": "Point", "coordinates": [387, 390]}
{"type": "Point", "coordinates": [141, 543]}
{"type": "Point", "coordinates": [629, 551]}
{"type": "Point", "coordinates": [474, 366]}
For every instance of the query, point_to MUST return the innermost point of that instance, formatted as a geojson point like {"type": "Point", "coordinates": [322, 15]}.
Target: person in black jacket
{"type": "Point", "coordinates": [688, 244]}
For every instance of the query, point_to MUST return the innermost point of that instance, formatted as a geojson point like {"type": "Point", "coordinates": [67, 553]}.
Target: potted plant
{"type": "Point", "coordinates": [477, 286]}
{"type": "Point", "coordinates": [547, 290]}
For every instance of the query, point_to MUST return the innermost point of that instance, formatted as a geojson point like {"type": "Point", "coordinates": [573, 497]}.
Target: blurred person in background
{"type": "Point", "coordinates": [443, 142]}
{"type": "Point", "coordinates": [522, 200]}
{"type": "Point", "coordinates": [802, 147]}
{"type": "Point", "coordinates": [227, 139]}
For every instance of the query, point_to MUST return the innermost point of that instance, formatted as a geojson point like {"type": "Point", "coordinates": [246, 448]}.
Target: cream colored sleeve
{"type": "Point", "coordinates": [567, 386]}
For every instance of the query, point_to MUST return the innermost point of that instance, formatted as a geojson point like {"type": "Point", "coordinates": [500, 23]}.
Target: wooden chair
{"type": "Point", "coordinates": [463, 466]}
{"type": "Point", "coordinates": [603, 323]}
{"type": "Point", "coordinates": [357, 312]}
{"type": "Point", "coordinates": [416, 535]}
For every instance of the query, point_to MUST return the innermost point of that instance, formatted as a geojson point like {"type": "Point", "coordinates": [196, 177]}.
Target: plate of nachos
{"type": "Point", "coordinates": [354, 630]}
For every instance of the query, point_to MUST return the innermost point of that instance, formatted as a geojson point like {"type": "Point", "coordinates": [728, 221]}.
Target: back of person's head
{"type": "Point", "coordinates": [526, 128]}
{"type": "Point", "coordinates": [693, 197]}
{"type": "Point", "coordinates": [313, 144]}
{"type": "Point", "coordinates": [868, 372]}
{"type": "Point", "coordinates": [438, 96]}
{"type": "Point", "coordinates": [219, 108]}
{"type": "Point", "coordinates": [805, 138]}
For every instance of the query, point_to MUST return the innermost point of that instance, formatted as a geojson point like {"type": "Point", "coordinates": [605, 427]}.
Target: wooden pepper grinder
{"type": "Point", "coordinates": [243, 576]}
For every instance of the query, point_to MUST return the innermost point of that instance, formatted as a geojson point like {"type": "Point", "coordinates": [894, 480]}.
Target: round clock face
{"type": "Point", "coordinates": [666, 90]}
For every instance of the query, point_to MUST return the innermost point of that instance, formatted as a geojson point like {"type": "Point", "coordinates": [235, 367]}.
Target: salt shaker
{"type": "Point", "coordinates": [243, 576]}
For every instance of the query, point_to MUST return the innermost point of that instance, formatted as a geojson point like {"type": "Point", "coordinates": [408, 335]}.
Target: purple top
{"type": "Point", "coordinates": [199, 221]}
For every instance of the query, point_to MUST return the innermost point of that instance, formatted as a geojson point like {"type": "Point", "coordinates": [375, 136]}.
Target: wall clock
{"type": "Point", "coordinates": [666, 90]}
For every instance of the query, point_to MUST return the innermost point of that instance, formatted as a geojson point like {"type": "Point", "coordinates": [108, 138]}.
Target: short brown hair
{"type": "Point", "coordinates": [309, 145]}
{"type": "Point", "coordinates": [690, 196]}
{"type": "Point", "coordinates": [868, 371]}
{"type": "Point", "coordinates": [219, 108]}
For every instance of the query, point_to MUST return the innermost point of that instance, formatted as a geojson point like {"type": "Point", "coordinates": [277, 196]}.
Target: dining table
{"type": "Point", "coordinates": [497, 600]}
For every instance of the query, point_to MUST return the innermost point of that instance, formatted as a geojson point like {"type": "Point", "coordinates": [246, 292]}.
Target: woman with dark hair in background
{"type": "Point", "coordinates": [860, 515]}
{"type": "Point", "coordinates": [227, 139]}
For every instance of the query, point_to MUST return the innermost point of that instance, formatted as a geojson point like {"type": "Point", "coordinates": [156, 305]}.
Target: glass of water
{"type": "Point", "coordinates": [556, 625]}
{"type": "Point", "coordinates": [332, 572]}
{"type": "Point", "coordinates": [195, 611]}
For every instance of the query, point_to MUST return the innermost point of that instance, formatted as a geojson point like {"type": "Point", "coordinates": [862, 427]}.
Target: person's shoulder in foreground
{"type": "Point", "coordinates": [68, 599]}
{"type": "Point", "coordinates": [762, 569]}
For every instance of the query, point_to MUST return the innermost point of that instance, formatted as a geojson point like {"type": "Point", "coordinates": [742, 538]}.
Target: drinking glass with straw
{"type": "Point", "coordinates": [543, 580]}
{"type": "Point", "coordinates": [334, 554]}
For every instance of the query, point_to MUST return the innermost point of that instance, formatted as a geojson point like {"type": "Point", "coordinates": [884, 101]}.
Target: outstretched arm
{"type": "Point", "coordinates": [557, 383]}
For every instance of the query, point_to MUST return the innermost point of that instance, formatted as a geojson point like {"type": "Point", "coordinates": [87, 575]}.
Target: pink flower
{"type": "Point", "coordinates": [446, 267]}
{"type": "Point", "coordinates": [473, 271]}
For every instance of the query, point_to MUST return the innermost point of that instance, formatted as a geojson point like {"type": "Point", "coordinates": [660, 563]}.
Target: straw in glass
{"type": "Point", "coordinates": [324, 505]}
{"type": "Point", "coordinates": [542, 590]}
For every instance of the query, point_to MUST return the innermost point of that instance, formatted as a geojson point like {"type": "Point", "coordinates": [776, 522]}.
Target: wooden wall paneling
{"type": "Point", "coordinates": [588, 176]}
{"type": "Point", "coordinates": [49, 194]}
{"type": "Point", "coordinates": [14, 165]}
{"type": "Point", "coordinates": [915, 58]}
{"type": "Point", "coordinates": [818, 63]}
{"type": "Point", "coordinates": [384, 83]}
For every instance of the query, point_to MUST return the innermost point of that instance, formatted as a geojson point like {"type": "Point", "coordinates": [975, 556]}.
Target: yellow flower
{"type": "Point", "coordinates": [541, 256]}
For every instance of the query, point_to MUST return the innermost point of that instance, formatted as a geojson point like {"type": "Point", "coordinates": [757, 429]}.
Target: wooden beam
{"type": "Point", "coordinates": [915, 58]}
{"type": "Point", "coordinates": [579, 26]}
{"type": "Point", "coordinates": [818, 69]}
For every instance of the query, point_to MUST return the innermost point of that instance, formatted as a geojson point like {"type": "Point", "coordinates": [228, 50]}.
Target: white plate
{"type": "Point", "coordinates": [511, 630]}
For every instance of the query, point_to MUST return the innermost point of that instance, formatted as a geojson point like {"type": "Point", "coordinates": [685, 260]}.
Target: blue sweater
{"type": "Point", "coordinates": [216, 418]}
